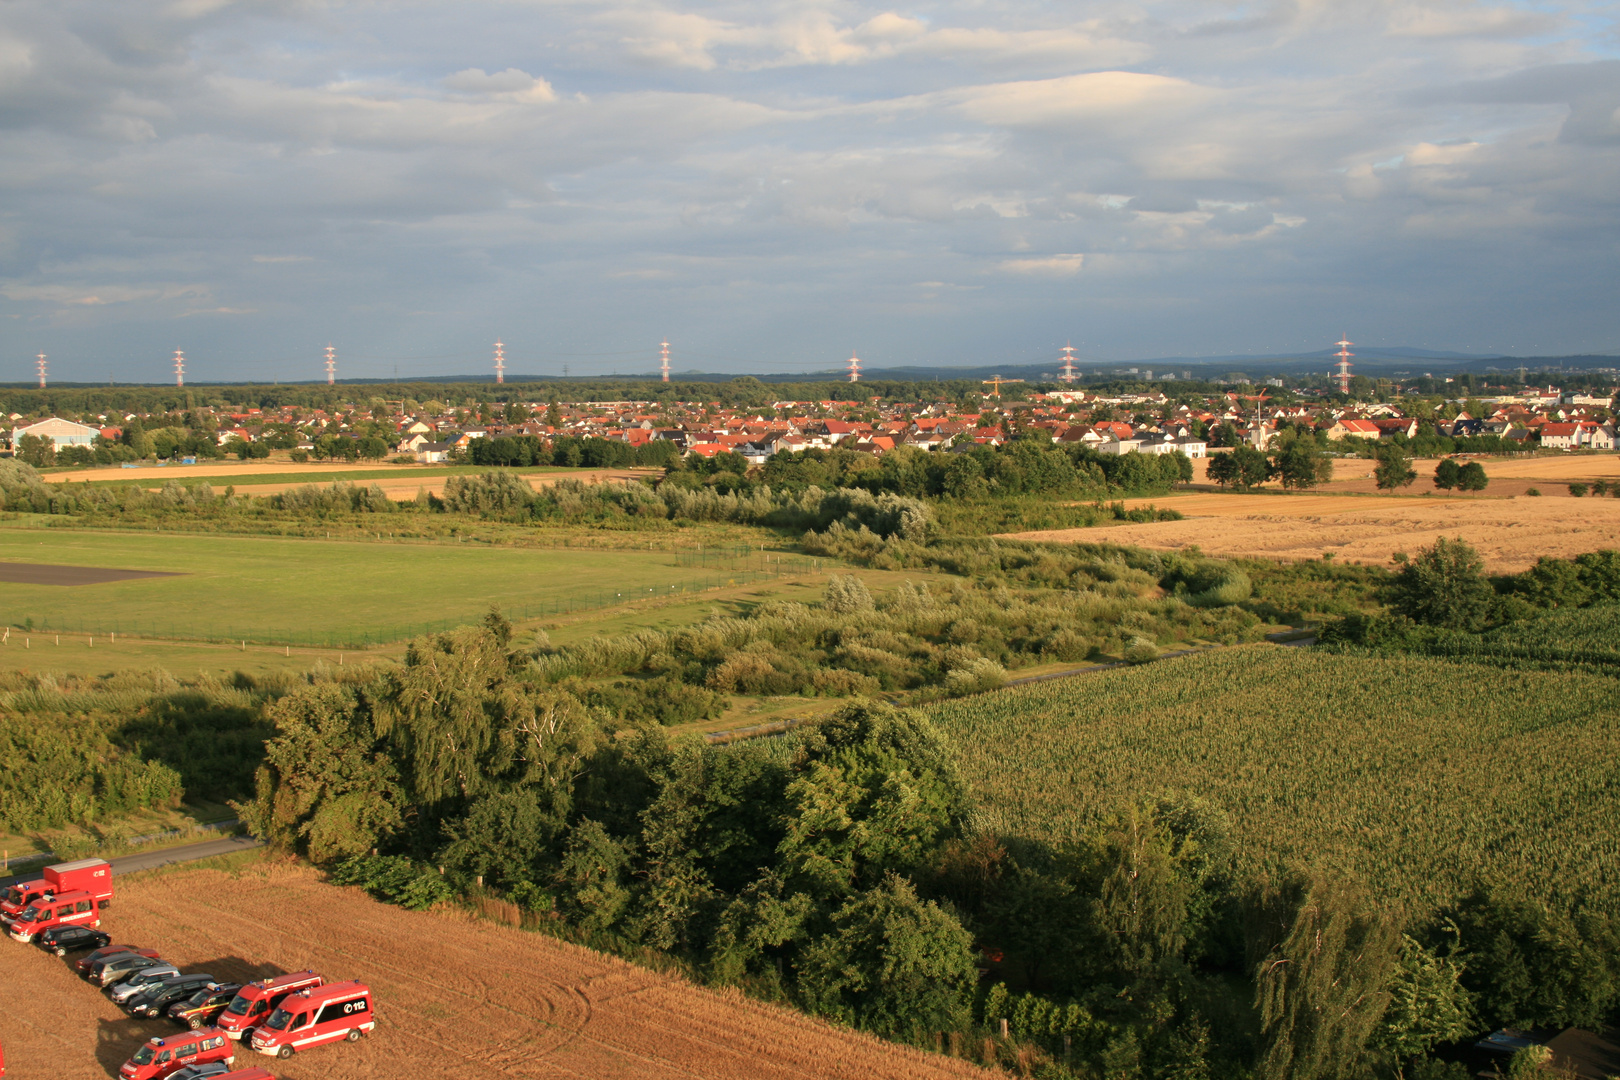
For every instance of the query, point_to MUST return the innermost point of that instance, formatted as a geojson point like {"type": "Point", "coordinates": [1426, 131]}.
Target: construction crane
{"type": "Point", "coordinates": [996, 382]}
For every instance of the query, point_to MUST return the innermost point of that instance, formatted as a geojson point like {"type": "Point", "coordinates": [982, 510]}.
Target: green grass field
{"type": "Point", "coordinates": [325, 593]}
{"type": "Point", "coordinates": [1425, 777]}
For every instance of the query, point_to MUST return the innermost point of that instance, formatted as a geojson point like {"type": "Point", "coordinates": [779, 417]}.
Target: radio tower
{"type": "Point", "coordinates": [331, 365]}
{"type": "Point", "coordinates": [500, 363]}
{"type": "Point", "coordinates": [179, 367]}
{"type": "Point", "coordinates": [1344, 354]}
{"type": "Point", "coordinates": [1068, 375]}
{"type": "Point", "coordinates": [39, 362]}
{"type": "Point", "coordinates": [664, 364]}
{"type": "Point", "coordinates": [854, 364]}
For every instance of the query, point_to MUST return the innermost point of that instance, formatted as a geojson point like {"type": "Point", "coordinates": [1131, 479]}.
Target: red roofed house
{"type": "Point", "coordinates": [1358, 429]}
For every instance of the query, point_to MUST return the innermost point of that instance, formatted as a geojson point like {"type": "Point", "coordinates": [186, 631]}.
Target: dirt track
{"type": "Point", "coordinates": [455, 997]}
{"type": "Point", "coordinates": [24, 573]}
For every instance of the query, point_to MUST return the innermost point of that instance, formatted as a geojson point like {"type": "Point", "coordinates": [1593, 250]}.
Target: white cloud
{"type": "Point", "coordinates": [1044, 266]}
{"type": "Point", "coordinates": [509, 85]}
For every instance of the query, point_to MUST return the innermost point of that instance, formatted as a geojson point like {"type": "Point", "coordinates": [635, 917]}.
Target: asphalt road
{"type": "Point", "coordinates": [148, 860]}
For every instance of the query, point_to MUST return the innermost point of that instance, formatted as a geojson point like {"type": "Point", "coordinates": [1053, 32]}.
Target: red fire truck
{"type": "Point", "coordinates": [256, 1001]}
{"type": "Point", "coordinates": [160, 1057]}
{"type": "Point", "coordinates": [91, 875]}
{"type": "Point", "coordinates": [70, 908]}
{"type": "Point", "coordinates": [312, 1017]}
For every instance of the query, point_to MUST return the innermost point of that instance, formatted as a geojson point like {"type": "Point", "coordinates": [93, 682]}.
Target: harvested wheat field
{"type": "Point", "coordinates": [456, 997]}
{"type": "Point", "coordinates": [1510, 533]}
{"type": "Point", "coordinates": [1550, 474]}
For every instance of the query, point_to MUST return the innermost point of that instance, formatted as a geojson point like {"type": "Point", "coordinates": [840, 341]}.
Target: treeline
{"type": "Point", "coordinates": [744, 391]}
{"type": "Point", "coordinates": [82, 751]}
{"type": "Point", "coordinates": [1559, 613]}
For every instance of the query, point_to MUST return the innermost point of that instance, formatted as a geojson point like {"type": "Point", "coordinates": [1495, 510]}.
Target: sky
{"type": "Point", "coordinates": [773, 186]}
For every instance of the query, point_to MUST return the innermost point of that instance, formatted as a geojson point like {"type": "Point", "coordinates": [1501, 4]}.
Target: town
{"type": "Point", "coordinates": [1153, 420]}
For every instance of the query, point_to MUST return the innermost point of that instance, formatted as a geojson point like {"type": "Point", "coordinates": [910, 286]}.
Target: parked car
{"type": "Point", "coordinates": [161, 1058]}
{"type": "Point", "coordinates": [84, 963]}
{"type": "Point", "coordinates": [139, 981]}
{"type": "Point", "coordinates": [312, 1017]}
{"type": "Point", "coordinates": [201, 1072]}
{"type": "Point", "coordinates": [202, 1008]}
{"type": "Point", "coordinates": [155, 1000]}
{"type": "Point", "coordinates": [62, 940]}
{"type": "Point", "coordinates": [112, 970]}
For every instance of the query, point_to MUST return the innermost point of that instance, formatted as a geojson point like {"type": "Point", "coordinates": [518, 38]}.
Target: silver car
{"type": "Point", "coordinates": [141, 980]}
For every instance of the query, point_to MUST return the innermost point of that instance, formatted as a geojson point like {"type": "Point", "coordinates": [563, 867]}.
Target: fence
{"type": "Point", "coordinates": [731, 566]}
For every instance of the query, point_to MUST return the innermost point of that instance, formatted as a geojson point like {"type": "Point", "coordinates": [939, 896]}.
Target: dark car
{"type": "Point", "coordinates": [200, 1072]}
{"type": "Point", "coordinates": [199, 1010]}
{"type": "Point", "coordinates": [62, 940]}
{"type": "Point", "coordinates": [156, 999]}
{"type": "Point", "coordinates": [84, 963]}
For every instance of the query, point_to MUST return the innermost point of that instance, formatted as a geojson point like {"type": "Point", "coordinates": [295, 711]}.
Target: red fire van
{"type": "Point", "coordinates": [256, 1001]}
{"type": "Point", "coordinates": [160, 1057]}
{"type": "Point", "coordinates": [312, 1017]}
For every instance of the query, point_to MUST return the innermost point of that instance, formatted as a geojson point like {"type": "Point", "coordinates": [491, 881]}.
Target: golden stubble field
{"type": "Point", "coordinates": [456, 997]}
{"type": "Point", "coordinates": [1511, 530]}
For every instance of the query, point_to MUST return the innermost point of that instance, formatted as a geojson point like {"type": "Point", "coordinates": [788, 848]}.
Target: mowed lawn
{"type": "Point", "coordinates": [319, 591]}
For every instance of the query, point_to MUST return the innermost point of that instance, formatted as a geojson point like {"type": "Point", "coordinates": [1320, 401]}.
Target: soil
{"type": "Point", "coordinates": [456, 996]}
{"type": "Point", "coordinates": [46, 574]}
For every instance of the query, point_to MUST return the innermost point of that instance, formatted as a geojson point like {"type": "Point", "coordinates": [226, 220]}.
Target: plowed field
{"type": "Point", "coordinates": [456, 997]}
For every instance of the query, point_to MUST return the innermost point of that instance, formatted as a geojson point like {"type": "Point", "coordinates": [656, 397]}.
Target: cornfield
{"type": "Point", "coordinates": [1424, 777]}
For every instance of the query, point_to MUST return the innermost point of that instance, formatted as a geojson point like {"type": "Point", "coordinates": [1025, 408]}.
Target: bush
{"type": "Point", "coordinates": [1140, 651]}
{"type": "Point", "coordinates": [395, 879]}
{"type": "Point", "coordinates": [1578, 489]}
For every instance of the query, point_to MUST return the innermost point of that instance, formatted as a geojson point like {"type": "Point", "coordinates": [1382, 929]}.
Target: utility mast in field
{"type": "Point", "coordinates": [1343, 376]}
{"type": "Point", "coordinates": [331, 365]}
{"type": "Point", "coordinates": [1068, 375]}
{"type": "Point", "coordinates": [663, 365]}
{"type": "Point", "coordinates": [854, 365]}
{"type": "Point", "coordinates": [500, 363]}
{"type": "Point", "coordinates": [39, 363]}
{"type": "Point", "coordinates": [179, 367]}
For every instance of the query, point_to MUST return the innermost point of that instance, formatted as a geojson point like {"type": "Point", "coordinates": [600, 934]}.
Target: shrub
{"type": "Point", "coordinates": [1578, 489]}
{"type": "Point", "coordinates": [1140, 651]}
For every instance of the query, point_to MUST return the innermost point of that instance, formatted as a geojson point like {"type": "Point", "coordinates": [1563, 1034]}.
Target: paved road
{"type": "Point", "coordinates": [148, 860]}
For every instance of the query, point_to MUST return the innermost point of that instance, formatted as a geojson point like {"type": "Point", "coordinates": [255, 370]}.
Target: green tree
{"type": "Point", "coordinates": [1444, 585]}
{"type": "Point", "coordinates": [1394, 468]}
{"type": "Point", "coordinates": [328, 788]}
{"type": "Point", "coordinates": [36, 451]}
{"type": "Point", "coordinates": [1244, 468]}
{"type": "Point", "coordinates": [1428, 1003]}
{"type": "Point", "coordinates": [1299, 464]}
{"type": "Point", "coordinates": [1471, 477]}
{"type": "Point", "coordinates": [592, 877]}
{"type": "Point", "coordinates": [1141, 907]}
{"type": "Point", "coordinates": [1447, 474]}
{"type": "Point", "coordinates": [1321, 988]}
{"type": "Point", "coordinates": [892, 963]}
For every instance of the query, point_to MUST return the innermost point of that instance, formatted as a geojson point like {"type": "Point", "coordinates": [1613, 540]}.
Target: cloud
{"type": "Point", "coordinates": [1044, 266]}
{"type": "Point", "coordinates": [508, 85]}
{"type": "Point", "coordinates": [737, 171]}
